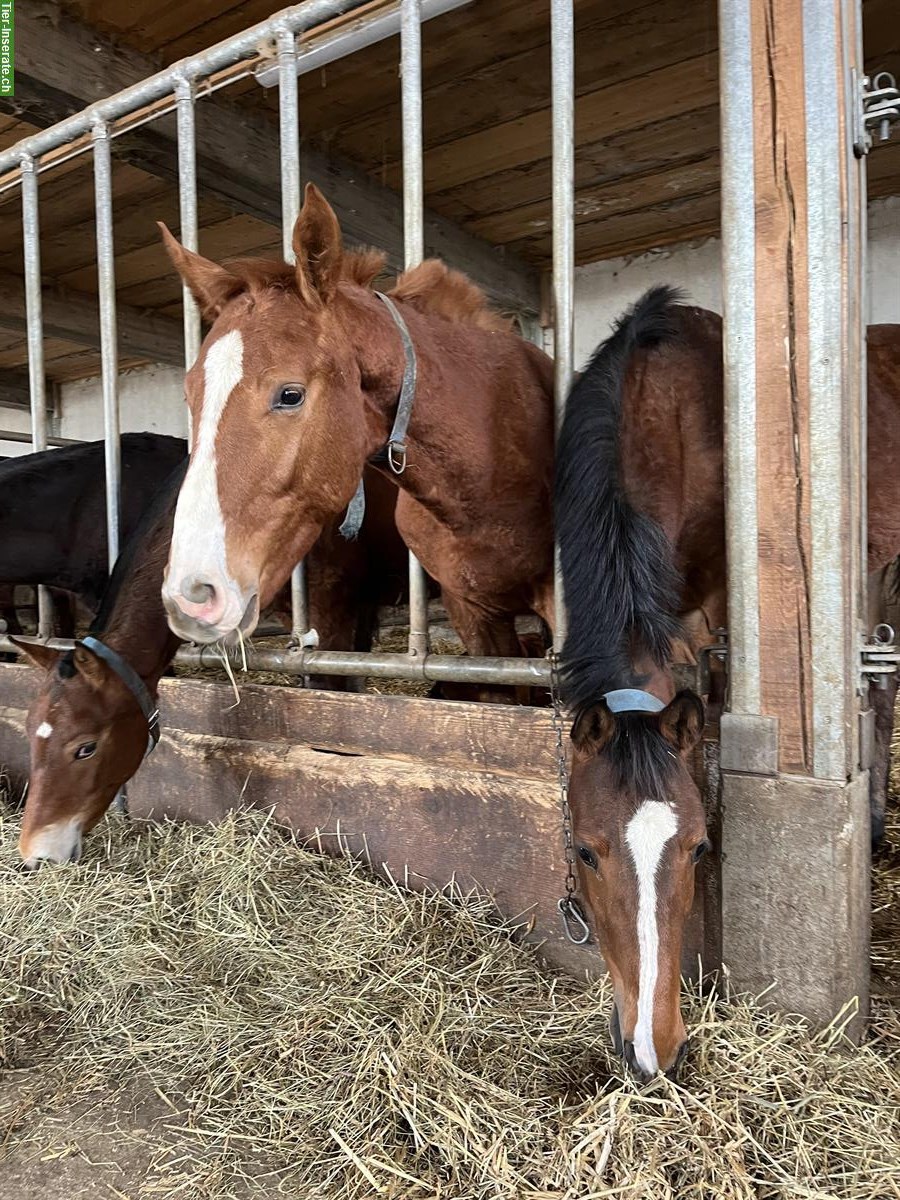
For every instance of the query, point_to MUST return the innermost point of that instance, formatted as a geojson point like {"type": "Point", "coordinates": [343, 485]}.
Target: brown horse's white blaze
{"type": "Point", "coordinates": [201, 591]}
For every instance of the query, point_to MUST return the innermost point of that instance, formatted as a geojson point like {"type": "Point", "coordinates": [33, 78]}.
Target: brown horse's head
{"type": "Point", "coordinates": [639, 829]}
{"type": "Point", "coordinates": [87, 737]}
{"type": "Point", "coordinates": [284, 416]}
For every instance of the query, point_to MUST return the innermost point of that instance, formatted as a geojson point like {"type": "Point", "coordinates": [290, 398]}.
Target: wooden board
{"type": "Point", "coordinates": [425, 791]}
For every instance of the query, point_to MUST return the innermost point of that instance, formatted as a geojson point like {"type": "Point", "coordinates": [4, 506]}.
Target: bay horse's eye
{"type": "Point", "coordinates": [587, 856]}
{"type": "Point", "coordinates": [291, 395]}
{"type": "Point", "coordinates": [86, 749]}
{"type": "Point", "coordinates": [699, 850]}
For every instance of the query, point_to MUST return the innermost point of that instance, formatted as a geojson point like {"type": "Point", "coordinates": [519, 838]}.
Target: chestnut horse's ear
{"type": "Point", "coordinates": [681, 721]}
{"type": "Point", "coordinates": [211, 286]}
{"type": "Point", "coordinates": [318, 247]}
{"type": "Point", "coordinates": [90, 665]}
{"type": "Point", "coordinates": [37, 653]}
{"type": "Point", "coordinates": [593, 729]}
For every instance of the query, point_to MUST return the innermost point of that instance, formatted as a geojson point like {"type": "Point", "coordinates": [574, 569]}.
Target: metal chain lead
{"type": "Point", "coordinates": [576, 928]}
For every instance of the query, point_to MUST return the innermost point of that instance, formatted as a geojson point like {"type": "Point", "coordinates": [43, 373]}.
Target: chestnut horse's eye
{"type": "Point", "coordinates": [291, 395]}
{"type": "Point", "coordinates": [587, 856]}
{"type": "Point", "coordinates": [86, 749]}
{"type": "Point", "coordinates": [699, 850]}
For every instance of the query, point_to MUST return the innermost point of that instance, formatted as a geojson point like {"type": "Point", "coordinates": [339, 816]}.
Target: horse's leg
{"type": "Point", "coordinates": [483, 632]}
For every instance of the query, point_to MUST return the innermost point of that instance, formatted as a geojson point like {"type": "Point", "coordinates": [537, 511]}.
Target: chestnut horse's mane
{"type": "Point", "coordinates": [431, 287]}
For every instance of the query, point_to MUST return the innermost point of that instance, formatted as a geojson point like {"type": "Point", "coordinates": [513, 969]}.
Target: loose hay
{"type": "Point", "coordinates": [317, 1033]}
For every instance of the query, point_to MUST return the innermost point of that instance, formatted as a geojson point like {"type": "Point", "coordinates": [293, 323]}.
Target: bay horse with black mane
{"type": "Point", "coordinates": [295, 390]}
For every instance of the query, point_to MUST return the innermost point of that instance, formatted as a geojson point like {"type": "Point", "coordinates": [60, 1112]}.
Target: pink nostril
{"type": "Point", "coordinates": [201, 600]}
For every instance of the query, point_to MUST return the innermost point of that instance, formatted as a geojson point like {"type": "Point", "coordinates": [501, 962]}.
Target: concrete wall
{"type": "Point", "coordinates": [604, 289]}
{"type": "Point", "coordinates": [16, 421]}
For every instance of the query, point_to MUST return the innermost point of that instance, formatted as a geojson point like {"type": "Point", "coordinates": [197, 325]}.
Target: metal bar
{"type": "Point", "coordinates": [16, 435]}
{"type": "Point", "coordinates": [109, 354]}
{"type": "Point", "coordinates": [514, 672]}
{"type": "Point", "coordinates": [413, 248]}
{"type": "Point", "coordinates": [526, 672]}
{"type": "Point", "coordinates": [365, 31]}
{"type": "Point", "coordinates": [187, 202]}
{"type": "Point", "coordinates": [298, 17]}
{"type": "Point", "coordinates": [289, 136]}
{"type": "Point", "coordinates": [739, 348]}
{"type": "Point", "coordinates": [562, 62]}
{"type": "Point", "coordinates": [31, 238]}
{"type": "Point", "coordinates": [831, 405]}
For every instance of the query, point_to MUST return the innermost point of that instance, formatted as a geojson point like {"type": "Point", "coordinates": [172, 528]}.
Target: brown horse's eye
{"type": "Point", "coordinates": [587, 856]}
{"type": "Point", "coordinates": [699, 850]}
{"type": "Point", "coordinates": [290, 396]}
{"type": "Point", "coordinates": [86, 749]}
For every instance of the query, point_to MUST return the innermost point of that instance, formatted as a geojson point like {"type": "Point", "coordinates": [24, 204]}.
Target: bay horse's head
{"type": "Point", "coordinates": [639, 830]}
{"type": "Point", "coordinates": [87, 736]}
{"type": "Point", "coordinates": [282, 419]}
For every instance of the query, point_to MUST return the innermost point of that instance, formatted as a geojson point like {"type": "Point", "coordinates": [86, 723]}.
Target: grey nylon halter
{"type": "Point", "coordinates": [396, 443]}
{"type": "Point", "coordinates": [133, 682]}
{"type": "Point", "coordinates": [632, 700]}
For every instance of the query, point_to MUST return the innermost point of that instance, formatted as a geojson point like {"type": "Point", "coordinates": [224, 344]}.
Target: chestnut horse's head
{"type": "Point", "coordinates": [281, 418]}
{"type": "Point", "coordinates": [87, 737]}
{"type": "Point", "coordinates": [639, 829]}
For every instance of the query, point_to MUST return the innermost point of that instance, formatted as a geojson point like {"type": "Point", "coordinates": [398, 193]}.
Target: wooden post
{"type": "Point", "coordinates": [793, 241]}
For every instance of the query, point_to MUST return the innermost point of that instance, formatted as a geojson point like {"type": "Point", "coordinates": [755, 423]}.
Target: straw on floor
{"type": "Point", "coordinates": [317, 1033]}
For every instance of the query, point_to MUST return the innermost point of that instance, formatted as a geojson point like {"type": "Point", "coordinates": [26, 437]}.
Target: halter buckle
{"type": "Point", "coordinates": [396, 456]}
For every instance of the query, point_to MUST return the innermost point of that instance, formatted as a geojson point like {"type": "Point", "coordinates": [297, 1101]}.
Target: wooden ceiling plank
{"type": "Point", "coordinates": [610, 50]}
{"type": "Point", "coordinates": [59, 70]}
{"type": "Point", "coordinates": [73, 317]}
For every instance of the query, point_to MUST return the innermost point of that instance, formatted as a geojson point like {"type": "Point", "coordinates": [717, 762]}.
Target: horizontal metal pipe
{"type": "Point", "coordinates": [364, 31]}
{"type": "Point", "coordinates": [434, 667]}
{"type": "Point", "coordinates": [16, 435]}
{"type": "Point", "coordinates": [224, 54]}
{"type": "Point", "coordinates": [516, 672]}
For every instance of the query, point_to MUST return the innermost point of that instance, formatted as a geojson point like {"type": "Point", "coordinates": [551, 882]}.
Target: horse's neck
{"type": "Point", "coordinates": [136, 627]}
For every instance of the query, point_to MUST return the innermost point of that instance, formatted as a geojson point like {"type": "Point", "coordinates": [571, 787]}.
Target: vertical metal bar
{"type": "Point", "coordinates": [187, 202]}
{"type": "Point", "coordinates": [31, 238]}
{"type": "Point", "coordinates": [739, 306]}
{"type": "Point", "coordinates": [109, 355]}
{"type": "Point", "coordinates": [562, 61]}
{"type": "Point", "coordinates": [289, 134]}
{"type": "Point", "coordinates": [833, 412]}
{"type": "Point", "coordinates": [413, 246]}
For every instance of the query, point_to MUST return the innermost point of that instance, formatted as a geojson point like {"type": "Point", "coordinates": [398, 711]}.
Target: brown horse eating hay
{"type": "Point", "coordinates": [295, 391]}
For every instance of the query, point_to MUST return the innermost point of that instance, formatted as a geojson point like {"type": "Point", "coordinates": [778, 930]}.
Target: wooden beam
{"type": "Point", "coordinates": [62, 66]}
{"type": "Point", "coordinates": [74, 317]}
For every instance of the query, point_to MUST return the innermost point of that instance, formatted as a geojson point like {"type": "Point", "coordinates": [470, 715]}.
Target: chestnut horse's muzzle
{"type": "Point", "coordinates": [206, 611]}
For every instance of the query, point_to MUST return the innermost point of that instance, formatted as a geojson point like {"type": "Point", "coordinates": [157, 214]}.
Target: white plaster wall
{"type": "Point", "coordinates": [603, 290]}
{"type": "Point", "coordinates": [16, 421]}
{"type": "Point", "coordinates": [150, 398]}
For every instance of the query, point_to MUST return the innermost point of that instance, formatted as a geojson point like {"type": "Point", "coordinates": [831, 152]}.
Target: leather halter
{"type": "Point", "coordinates": [396, 443]}
{"type": "Point", "coordinates": [133, 682]}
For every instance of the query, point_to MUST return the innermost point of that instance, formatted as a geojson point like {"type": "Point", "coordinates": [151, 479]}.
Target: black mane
{"type": "Point", "coordinates": [161, 510]}
{"type": "Point", "coordinates": [622, 588]}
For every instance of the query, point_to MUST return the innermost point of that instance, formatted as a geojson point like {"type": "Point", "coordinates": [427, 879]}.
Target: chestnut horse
{"type": "Point", "coordinates": [87, 729]}
{"type": "Point", "coordinates": [295, 390]}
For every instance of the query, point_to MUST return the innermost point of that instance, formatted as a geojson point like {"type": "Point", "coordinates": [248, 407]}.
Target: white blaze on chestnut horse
{"type": "Point", "coordinates": [295, 390]}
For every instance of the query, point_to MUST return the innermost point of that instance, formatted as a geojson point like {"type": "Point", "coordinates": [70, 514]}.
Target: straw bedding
{"type": "Point", "coordinates": [304, 1030]}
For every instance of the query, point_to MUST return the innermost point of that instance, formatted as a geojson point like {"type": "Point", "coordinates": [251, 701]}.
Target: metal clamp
{"type": "Point", "coordinates": [577, 929]}
{"type": "Point", "coordinates": [880, 656]}
{"type": "Point", "coordinates": [879, 107]}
